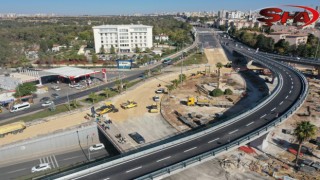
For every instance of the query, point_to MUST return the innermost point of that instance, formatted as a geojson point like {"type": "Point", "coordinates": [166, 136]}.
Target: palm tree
{"type": "Point", "coordinates": [219, 65]}
{"type": "Point", "coordinates": [304, 131]}
{"type": "Point", "coordinates": [93, 97]}
{"type": "Point", "coordinates": [106, 92]}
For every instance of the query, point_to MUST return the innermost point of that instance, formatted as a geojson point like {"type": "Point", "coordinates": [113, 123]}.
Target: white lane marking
{"type": "Point", "coordinates": [54, 157]}
{"type": "Point", "coordinates": [286, 97]}
{"type": "Point", "coordinates": [233, 131]}
{"type": "Point", "coordinates": [164, 158]}
{"type": "Point", "coordinates": [292, 82]}
{"type": "Point", "coordinates": [40, 160]}
{"type": "Point", "coordinates": [16, 171]}
{"type": "Point", "coordinates": [290, 92]}
{"type": "Point", "coordinates": [291, 79]}
{"type": "Point", "coordinates": [213, 140]}
{"type": "Point", "coordinates": [106, 179]}
{"type": "Point", "coordinates": [134, 169]}
{"type": "Point", "coordinates": [190, 149]}
{"type": "Point", "coordinates": [71, 158]}
{"type": "Point", "coordinates": [250, 123]}
{"type": "Point", "coordinates": [53, 165]}
{"type": "Point", "coordinates": [281, 103]}
{"type": "Point", "coordinates": [273, 109]}
{"type": "Point", "coordinates": [291, 87]}
{"type": "Point", "coordinates": [263, 116]}
{"type": "Point", "coordinates": [47, 159]}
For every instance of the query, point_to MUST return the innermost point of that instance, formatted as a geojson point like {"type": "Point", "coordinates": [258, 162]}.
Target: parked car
{"type": "Point", "coordinates": [44, 99]}
{"type": "Point", "coordinates": [156, 98]}
{"type": "Point", "coordinates": [56, 88]}
{"type": "Point", "coordinates": [41, 167]}
{"type": "Point", "coordinates": [160, 91]}
{"type": "Point", "coordinates": [55, 95]}
{"type": "Point", "coordinates": [74, 85]}
{"type": "Point", "coordinates": [80, 87]}
{"type": "Point", "coordinates": [137, 138]}
{"type": "Point", "coordinates": [96, 147]}
{"type": "Point", "coordinates": [47, 103]}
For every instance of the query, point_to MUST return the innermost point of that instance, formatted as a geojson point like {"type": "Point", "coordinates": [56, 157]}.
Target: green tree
{"type": "Point", "coordinates": [137, 49]}
{"type": "Point", "coordinates": [304, 131]}
{"type": "Point", "coordinates": [112, 50]}
{"type": "Point", "coordinates": [25, 89]}
{"type": "Point", "coordinates": [170, 88]}
{"type": "Point", "coordinates": [148, 50]}
{"type": "Point", "coordinates": [74, 103]}
{"type": "Point", "coordinates": [5, 52]}
{"type": "Point", "coordinates": [228, 92]}
{"type": "Point", "coordinates": [216, 92]}
{"type": "Point", "coordinates": [93, 97]}
{"type": "Point", "coordinates": [102, 51]}
{"type": "Point", "coordinates": [119, 85]}
{"type": "Point", "coordinates": [94, 58]}
{"type": "Point", "coordinates": [175, 83]}
{"type": "Point", "coordinates": [219, 65]}
{"type": "Point", "coordinates": [282, 46]}
{"type": "Point", "coordinates": [107, 92]}
{"type": "Point", "coordinates": [182, 77]}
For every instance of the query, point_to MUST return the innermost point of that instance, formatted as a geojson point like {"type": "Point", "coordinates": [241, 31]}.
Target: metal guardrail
{"type": "Point", "coordinates": [257, 133]}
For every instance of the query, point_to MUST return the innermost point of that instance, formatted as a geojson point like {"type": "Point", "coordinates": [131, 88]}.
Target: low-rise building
{"type": "Point", "coordinates": [297, 39]}
{"type": "Point", "coordinates": [161, 37]}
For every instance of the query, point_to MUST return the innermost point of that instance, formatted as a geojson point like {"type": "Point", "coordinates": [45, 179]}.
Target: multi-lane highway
{"type": "Point", "coordinates": [290, 88]}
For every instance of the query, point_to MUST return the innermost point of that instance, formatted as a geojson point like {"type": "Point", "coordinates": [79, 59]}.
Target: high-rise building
{"type": "Point", "coordinates": [222, 14]}
{"type": "Point", "coordinates": [124, 38]}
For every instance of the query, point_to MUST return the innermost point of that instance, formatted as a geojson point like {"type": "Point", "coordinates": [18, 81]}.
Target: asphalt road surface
{"type": "Point", "coordinates": [288, 94]}
{"type": "Point", "coordinates": [59, 160]}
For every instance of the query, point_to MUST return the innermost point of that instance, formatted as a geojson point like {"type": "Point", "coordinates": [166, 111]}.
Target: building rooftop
{"type": "Point", "coordinates": [68, 72]}
{"type": "Point", "coordinates": [120, 25]}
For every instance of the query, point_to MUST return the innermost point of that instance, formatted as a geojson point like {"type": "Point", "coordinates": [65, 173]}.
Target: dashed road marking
{"type": "Point", "coordinates": [250, 123]}
{"type": "Point", "coordinates": [134, 169]}
{"type": "Point", "coordinates": [16, 171]}
{"type": "Point", "coordinates": [273, 109]}
{"type": "Point", "coordinates": [287, 97]}
{"type": "Point", "coordinates": [164, 158]}
{"type": "Point", "coordinates": [281, 103]}
{"type": "Point", "coordinates": [233, 131]}
{"type": "Point", "coordinates": [290, 92]}
{"type": "Point", "coordinates": [190, 149]}
{"type": "Point", "coordinates": [213, 140]}
{"type": "Point", "coordinates": [263, 116]}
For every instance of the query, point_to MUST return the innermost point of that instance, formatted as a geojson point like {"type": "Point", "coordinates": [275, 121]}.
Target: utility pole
{"type": "Point", "coordinates": [181, 69]}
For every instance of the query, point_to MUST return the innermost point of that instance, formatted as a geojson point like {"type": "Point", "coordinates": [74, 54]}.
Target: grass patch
{"type": "Point", "coordinates": [195, 58]}
{"type": "Point", "coordinates": [44, 113]}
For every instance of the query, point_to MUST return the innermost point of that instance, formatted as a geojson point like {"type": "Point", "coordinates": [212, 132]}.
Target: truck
{"type": "Point", "coordinates": [12, 128]}
{"type": "Point", "coordinates": [129, 104]}
{"type": "Point", "coordinates": [200, 101]}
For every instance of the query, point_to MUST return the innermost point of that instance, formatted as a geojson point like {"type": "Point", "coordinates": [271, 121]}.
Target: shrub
{"type": "Point", "coordinates": [216, 93]}
{"type": "Point", "coordinates": [228, 92]}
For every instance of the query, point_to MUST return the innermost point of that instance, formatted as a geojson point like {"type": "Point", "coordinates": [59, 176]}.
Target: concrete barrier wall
{"type": "Point", "coordinates": [50, 144]}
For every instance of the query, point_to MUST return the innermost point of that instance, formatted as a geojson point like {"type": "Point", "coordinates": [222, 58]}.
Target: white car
{"type": "Point", "coordinates": [80, 87]}
{"type": "Point", "coordinates": [57, 88]}
{"type": "Point", "coordinates": [47, 103]}
{"type": "Point", "coordinates": [40, 167]}
{"type": "Point", "coordinates": [96, 147]}
{"type": "Point", "coordinates": [160, 91]}
{"type": "Point", "coordinates": [74, 85]}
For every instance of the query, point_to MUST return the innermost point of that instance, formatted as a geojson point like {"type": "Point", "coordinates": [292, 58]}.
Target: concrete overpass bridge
{"type": "Point", "coordinates": [171, 156]}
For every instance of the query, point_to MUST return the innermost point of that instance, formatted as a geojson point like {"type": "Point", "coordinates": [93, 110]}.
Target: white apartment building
{"type": "Point", "coordinates": [124, 38]}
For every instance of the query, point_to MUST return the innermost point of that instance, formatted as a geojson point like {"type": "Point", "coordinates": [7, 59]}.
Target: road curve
{"type": "Point", "coordinates": [282, 101]}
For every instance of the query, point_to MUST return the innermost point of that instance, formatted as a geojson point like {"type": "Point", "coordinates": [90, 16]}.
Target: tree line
{"type": "Point", "coordinates": [264, 43]}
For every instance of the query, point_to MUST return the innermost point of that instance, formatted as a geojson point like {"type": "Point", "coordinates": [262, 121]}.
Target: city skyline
{"type": "Point", "coordinates": [108, 7]}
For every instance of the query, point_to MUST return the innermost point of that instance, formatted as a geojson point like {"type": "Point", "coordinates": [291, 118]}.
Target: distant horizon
{"type": "Point", "coordinates": [130, 7]}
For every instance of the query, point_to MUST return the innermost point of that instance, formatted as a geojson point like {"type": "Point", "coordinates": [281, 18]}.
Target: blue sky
{"type": "Point", "coordinates": [115, 7]}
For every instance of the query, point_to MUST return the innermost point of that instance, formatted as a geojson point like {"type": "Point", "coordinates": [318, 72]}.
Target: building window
{"type": "Point", "coordinates": [101, 41]}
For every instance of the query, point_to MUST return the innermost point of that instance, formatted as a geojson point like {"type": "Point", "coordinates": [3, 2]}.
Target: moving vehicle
{"type": "Point", "coordinates": [108, 107]}
{"type": "Point", "coordinates": [129, 104]}
{"type": "Point", "coordinates": [47, 103]}
{"type": "Point", "coordinates": [137, 138]}
{"type": "Point", "coordinates": [44, 99]}
{"type": "Point", "coordinates": [41, 167]}
{"type": "Point", "coordinates": [96, 147]}
{"type": "Point", "coordinates": [13, 128]}
{"type": "Point", "coordinates": [20, 107]}
{"type": "Point", "coordinates": [55, 95]}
